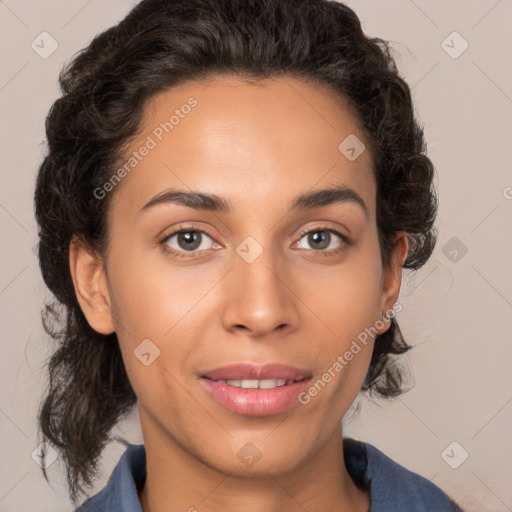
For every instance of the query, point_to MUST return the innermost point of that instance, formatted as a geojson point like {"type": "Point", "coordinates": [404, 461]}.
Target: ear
{"type": "Point", "coordinates": [91, 286]}
{"type": "Point", "coordinates": [392, 275]}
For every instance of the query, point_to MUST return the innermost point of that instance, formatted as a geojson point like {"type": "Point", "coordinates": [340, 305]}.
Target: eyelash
{"type": "Point", "coordinates": [194, 229]}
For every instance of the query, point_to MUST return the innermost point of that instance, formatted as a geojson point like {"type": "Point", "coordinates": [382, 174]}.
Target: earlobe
{"type": "Point", "coordinates": [392, 275]}
{"type": "Point", "coordinates": [91, 287]}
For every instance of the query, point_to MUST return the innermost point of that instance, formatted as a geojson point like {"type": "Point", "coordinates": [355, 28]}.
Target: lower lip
{"type": "Point", "coordinates": [255, 402]}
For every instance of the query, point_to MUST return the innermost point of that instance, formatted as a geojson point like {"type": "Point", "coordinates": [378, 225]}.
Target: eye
{"type": "Point", "coordinates": [321, 239]}
{"type": "Point", "coordinates": [186, 240]}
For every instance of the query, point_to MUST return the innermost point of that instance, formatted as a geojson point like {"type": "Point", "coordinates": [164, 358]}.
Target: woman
{"type": "Point", "coordinates": [231, 192]}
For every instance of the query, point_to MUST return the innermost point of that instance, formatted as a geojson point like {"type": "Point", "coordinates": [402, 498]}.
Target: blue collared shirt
{"type": "Point", "coordinates": [393, 488]}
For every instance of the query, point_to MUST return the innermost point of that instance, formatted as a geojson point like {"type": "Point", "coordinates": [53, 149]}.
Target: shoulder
{"type": "Point", "coordinates": [121, 491]}
{"type": "Point", "coordinates": [392, 486]}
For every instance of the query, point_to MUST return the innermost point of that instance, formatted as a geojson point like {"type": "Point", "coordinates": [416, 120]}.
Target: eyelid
{"type": "Point", "coordinates": [325, 227]}
{"type": "Point", "coordinates": [182, 228]}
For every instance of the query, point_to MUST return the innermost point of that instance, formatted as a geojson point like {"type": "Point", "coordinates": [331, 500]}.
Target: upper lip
{"type": "Point", "coordinates": [245, 371]}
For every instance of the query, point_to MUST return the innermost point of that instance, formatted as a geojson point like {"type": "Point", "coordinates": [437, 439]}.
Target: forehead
{"type": "Point", "coordinates": [281, 107]}
{"type": "Point", "coordinates": [229, 137]}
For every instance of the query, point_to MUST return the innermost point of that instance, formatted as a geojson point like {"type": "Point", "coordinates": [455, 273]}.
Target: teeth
{"type": "Point", "coordinates": [254, 384]}
{"type": "Point", "coordinates": [271, 383]}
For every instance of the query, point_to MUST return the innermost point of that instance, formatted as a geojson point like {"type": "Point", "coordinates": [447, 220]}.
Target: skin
{"type": "Point", "coordinates": [258, 147]}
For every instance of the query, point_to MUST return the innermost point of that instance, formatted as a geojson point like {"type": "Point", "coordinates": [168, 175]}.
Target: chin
{"type": "Point", "coordinates": [255, 456]}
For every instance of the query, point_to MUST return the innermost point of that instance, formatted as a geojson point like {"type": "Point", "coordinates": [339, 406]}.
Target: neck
{"type": "Point", "coordinates": [179, 481]}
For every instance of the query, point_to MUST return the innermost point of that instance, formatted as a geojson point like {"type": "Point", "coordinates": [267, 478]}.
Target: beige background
{"type": "Point", "coordinates": [457, 309]}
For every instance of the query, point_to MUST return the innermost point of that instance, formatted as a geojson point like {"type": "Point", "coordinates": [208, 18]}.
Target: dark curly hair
{"type": "Point", "coordinates": [158, 45]}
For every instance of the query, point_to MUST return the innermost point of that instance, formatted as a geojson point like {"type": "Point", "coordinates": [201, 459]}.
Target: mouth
{"type": "Point", "coordinates": [256, 384]}
{"type": "Point", "coordinates": [256, 390]}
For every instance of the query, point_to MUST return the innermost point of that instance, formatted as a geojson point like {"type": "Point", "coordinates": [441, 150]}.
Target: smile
{"type": "Point", "coordinates": [255, 390]}
{"type": "Point", "coordinates": [253, 383]}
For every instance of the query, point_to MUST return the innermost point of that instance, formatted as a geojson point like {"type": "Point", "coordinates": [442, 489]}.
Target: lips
{"type": "Point", "coordinates": [254, 372]}
{"type": "Point", "coordinates": [256, 390]}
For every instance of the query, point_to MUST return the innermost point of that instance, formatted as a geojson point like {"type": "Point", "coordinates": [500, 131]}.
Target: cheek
{"type": "Point", "coordinates": [346, 307]}
{"type": "Point", "coordinates": [156, 308]}
{"type": "Point", "coordinates": [344, 298]}
{"type": "Point", "coordinates": [150, 295]}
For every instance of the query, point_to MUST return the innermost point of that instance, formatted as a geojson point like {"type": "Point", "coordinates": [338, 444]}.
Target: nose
{"type": "Point", "coordinates": [259, 299]}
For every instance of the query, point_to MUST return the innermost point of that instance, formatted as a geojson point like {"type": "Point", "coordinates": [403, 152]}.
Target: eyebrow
{"type": "Point", "coordinates": [214, 203]}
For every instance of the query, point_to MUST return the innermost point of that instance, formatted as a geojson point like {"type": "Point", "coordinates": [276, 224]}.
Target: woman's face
{"type": "Point", "coordinates": [260, 289]}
